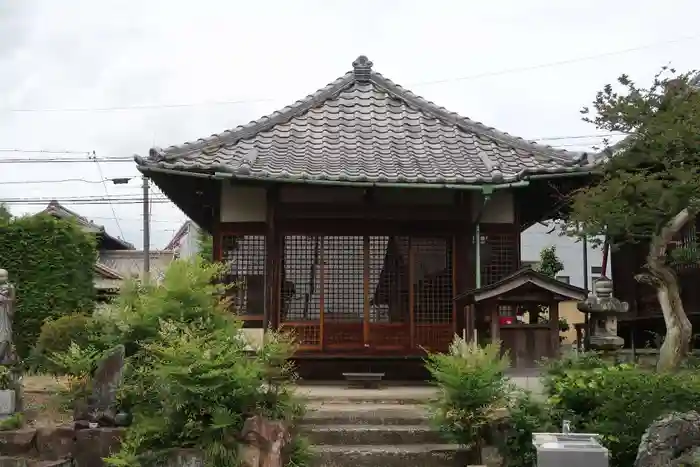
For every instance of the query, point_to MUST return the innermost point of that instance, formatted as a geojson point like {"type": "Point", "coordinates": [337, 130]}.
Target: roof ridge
{"type": "Point", "coordinates": [362, 72]}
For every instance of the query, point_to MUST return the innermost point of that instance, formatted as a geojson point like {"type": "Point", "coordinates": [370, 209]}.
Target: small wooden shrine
{"type": "Point", "coordinates": [521, 311]}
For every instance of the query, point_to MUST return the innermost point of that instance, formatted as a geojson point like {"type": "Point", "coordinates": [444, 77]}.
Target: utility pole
{"type": "Point", "coordinates": [146, 231]}
{"type": "Point", "coordinates": [587, 321]}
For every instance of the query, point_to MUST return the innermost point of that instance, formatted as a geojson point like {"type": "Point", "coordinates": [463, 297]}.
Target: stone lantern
{"type": "Point", "coordinates": [604, 309]}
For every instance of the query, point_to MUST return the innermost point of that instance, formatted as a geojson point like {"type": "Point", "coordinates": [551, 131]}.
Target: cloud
{"type": "Point", "coordinates": [126, 53]}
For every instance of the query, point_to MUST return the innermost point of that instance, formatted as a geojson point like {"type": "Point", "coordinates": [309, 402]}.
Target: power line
{"type": "Point", "coordinates": [65, 180]}
{"type": "Point", "coordinates": [66, 160]}
{"type": "Point", "coordinates": [560, 62]}
{"type": "Point", "coordinates": [114, 212]}
{"type": "Point", "coordinates": [141, 106]}
{"type": "Point", "coordinates": [80, 202]}
{"type": "Point", "coordinates": [45, 151]}
{"type": "Point", "coordinates": [423, 83]}
{"type": "Point", "coordinates": [93, 158]}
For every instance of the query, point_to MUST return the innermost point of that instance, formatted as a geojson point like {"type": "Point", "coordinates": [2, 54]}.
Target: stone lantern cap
{"type": "Point", "coordinates": [601, 302]}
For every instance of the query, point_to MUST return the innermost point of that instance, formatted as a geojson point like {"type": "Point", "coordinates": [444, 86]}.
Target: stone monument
{"type": "Point", "coordinates": [604, 309]}
{"type": "Point", "coordinates": [99, 409]}
{"type": "Point", "coordinates": [7, 314]}
{"type": "Point", "coordinates": [10, 397]}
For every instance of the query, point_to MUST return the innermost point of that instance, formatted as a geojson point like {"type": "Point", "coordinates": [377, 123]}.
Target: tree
{"type": "Point", "coordinates": [649, 189]}
{"type": "Point", "coordinates": [5, 214]}
{"type": "Point", "coordinates": [51, 262]}
{"type": "Point", "coordinates": [549, 263]}
{"type": "Point", "coordinates": [206, 246]}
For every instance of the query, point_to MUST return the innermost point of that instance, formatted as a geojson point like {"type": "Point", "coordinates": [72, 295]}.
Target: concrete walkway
{"type": "Point", "coordinates": [406, 393]}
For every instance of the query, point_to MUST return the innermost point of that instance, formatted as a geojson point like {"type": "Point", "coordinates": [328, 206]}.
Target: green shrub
{"type": "Point", "coordinates": [189, 379]}
{"type": "Point", "coordinates": [525, 417]}
{"type": "Point", "coordinates": [57, 335]}
{"type": "Point", "coordinates": [195, 389]}
{"type": "Point", "coordinates": [619, 402]}
{"type": "Point", "coordinates": [13, 422]}
{"type": "Point", "coordinates": [51, 263]}
{"type": "Point", "coordinates": [556, 368]}
{"type": "Point", "coordinates": [473, 385]}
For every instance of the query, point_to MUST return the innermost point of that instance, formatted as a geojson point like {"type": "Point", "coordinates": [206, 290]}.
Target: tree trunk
{"type": "Point", "coordinates": [679, 331]}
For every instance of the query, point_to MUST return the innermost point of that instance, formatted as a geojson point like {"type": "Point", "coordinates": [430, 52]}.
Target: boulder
{"type": "Point", "coordinates": [670, 441]}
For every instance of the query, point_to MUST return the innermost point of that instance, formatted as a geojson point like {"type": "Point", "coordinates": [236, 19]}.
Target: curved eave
{"type": "Point", "coordinates": [147, 166]}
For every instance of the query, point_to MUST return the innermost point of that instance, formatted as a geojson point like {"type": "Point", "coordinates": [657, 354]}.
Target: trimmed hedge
{"type": "Point", "coordinates": [51, 263]}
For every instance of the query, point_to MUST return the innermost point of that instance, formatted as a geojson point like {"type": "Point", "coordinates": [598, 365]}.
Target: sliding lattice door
{"type": "Point", "coordinates": [368, 293]}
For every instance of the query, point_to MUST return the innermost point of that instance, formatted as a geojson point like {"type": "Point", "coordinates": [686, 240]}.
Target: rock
{"type": "Point", "coordinates": [55, 442]}
{"type": "Point", "coordinates": [670, 441]}
{"type": "Point", "coordinates": [92, 444]}
{"type": "Point", "coordinates": [17, 442]}
{"type": "Point", "coordinates": [263, 442]}
{"type": "Point", "coordinates": [101, 405]}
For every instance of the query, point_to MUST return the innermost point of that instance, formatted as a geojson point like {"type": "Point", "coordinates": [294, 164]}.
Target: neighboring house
{"type": "Point", "coordinates": [117, 259]}
{"type": "Point", "coordinates": [570, 253]}
{"type": "Point", "coordinates": [185, 242]}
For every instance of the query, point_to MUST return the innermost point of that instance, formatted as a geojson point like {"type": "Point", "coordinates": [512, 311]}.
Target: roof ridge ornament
{"type": "Point", "coordinates": [362, 68]}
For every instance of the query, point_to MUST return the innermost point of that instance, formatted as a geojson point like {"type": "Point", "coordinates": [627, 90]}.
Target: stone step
{"type": "Point", "coordinates": [418, 455]}
{"type": "Point", "coordinates": [391, 395]}
{"type": "Point", "coordinates": [17, 461]}
{"type": "Point", "coordinates": [365, 414]}
{"type": "Point", "coordinates": [348, 435]}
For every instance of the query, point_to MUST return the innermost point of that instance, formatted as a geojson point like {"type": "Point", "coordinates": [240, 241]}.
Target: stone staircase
{"type": "Point", "coordinates": [373, 428]}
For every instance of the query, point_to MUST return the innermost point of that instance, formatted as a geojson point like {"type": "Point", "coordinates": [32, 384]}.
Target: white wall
{"type": "Point", "coordinates": [570, 252]}
{"type": "Point", "coordinates": [498, 210]}
{"type": "Point", "coordinates": [243, 204]}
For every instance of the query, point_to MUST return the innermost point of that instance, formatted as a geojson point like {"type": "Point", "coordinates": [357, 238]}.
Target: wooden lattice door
{"type": "Point", "coordinates": [344, 293]}
{"type": "Point", "coordinates": [433, 291]}
{"type": "Point", "coordinates": [388, 286]}
{"type": "Point", "coordinates": [368, 293]}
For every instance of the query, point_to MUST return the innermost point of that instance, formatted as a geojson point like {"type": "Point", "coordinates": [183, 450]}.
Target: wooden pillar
{"type": "Point", "coordinates": [366, 291]}
{"type": "Point", "coordinates": [495, 324]}
{"type": "Point", "coordinates": [216, 225]}
{"type": "Point", "coordinates": [322, 299]}
{"type": "Point", "coordinates": [554, 327]}
{"type": "Point", "coordinates": [273, 263]}
{"type": "Point", "coordinates": [470, 320]}
{"type": "Point", "coordinates": [463, 265]}
{"type": "Point", "coordinates": [411, 293]}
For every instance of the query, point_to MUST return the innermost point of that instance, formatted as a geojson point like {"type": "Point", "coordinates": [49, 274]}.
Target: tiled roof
{"type": "Point", "coordinates": [58, 210]}
{"type": "Point", "coordinates": [523, 276]}
{"type": "Point", "coordinates": [364, 128]}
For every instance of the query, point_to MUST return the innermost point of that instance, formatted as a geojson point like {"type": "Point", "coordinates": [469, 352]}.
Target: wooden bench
{"type": "Point", "coordinates": [364, 380]}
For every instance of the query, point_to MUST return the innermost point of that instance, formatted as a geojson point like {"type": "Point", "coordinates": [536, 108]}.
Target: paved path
{"type": "Point", "coordinates": [407, 391]}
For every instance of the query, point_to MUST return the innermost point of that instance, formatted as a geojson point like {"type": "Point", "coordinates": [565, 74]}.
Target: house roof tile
{"type": "Point", "coordinates": [364, 128]}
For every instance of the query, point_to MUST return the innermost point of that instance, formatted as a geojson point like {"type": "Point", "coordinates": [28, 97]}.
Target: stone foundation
{"type": "Point", "coordinates": [58, 446]}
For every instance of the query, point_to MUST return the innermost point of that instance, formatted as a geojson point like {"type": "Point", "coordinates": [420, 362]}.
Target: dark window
{"type": "Point", "coordinates": [566, 279]}
{"type": "Point", "coordinates": [245, 258]}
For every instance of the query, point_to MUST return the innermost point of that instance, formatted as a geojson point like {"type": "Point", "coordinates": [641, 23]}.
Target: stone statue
{"type": "Point", "coordinates": [7, 314]}
{"type": "Point", "coordinates": [604, 310]}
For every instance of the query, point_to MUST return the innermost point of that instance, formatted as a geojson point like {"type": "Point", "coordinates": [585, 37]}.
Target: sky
{"type": "Point", "coordinates": [119, 77]}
